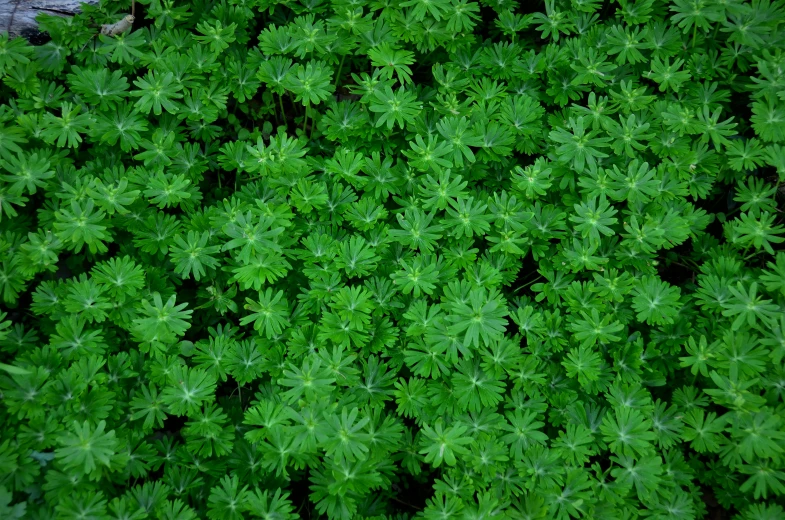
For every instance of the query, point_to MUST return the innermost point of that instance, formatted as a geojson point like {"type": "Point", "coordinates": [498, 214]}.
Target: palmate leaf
{"type": "Point", "coordinates": [345, 437]}
{"type": "Point", "coordinates": [162, 322]}
{"type": "Point", "coordinates": [417, 231]}
{"type": "Point", "coordinates": [123, 125]}
{"type": "Point", "coordinates": [310, 35]}
{"type": "Point", "coordinates": [425, 359]}
{"type": "Point", "coordinates": [442, 444]}
{"type": "Point", "coordinates": [275, 73]}
{"type": "Point", "coordinates": [310, 380]}
{"type": "Point", "coordinates": [575, 444]}
{"type": "Point", "coordinates": [417, 278]}
{"type": "Point", "coordinates": [216, 35]}
{"type": "Point", "coordinates": [245, 362]}
{"type": "Point", "coordinates": [187, 389]}
{"type": "Point", "coordinates": [432, 155]}
{"type": "Point", "coordinates": [438, 192]}
{"type": "Point", "coordinates": [66, 130]}
{"type": "Point", "coordinates": [254, 234]}
{"type": "Point", "coordinates": [157, 92]}
{"type": "Point", "coordinates": [627, 432]}
{"type": "Point", "coordinates": [704, 431]}
{"type": "Point", "coordinates": [592, 219]}
{"type": "Point", "coordinates": [85, 447]}
{"type": "Point", "coordinates": [593, 329]}
{"type": "Point", "coordinates": [311, 84]}
{"type": "Point", "coordinates": [112, 197]}
{"type": "Point", "coordinates": [655, 301]}
{"type": "Point", "coordinates": [207, 433]}
{"type": "Point", "coordinates": [120, 276]}
{"type": "Point", "coordinates": [481, 318]}
{"type": "Point", "coordinates": [99, 87]}
{"type": "Point", "coordinates": [393, 61]}
{"type": "Point", "coordinates": [13, 51]}
{"type": "Point", "coordinates": [227, 500]}
{"type": "Point", "coordinates": [584, 365]}
{"type": "Point", "coordinates": [399, 107]}
{"type": "Point", "coordinates": [263, 269]}
{"type": "Point", "coordinates": [122, 48]}
{"type": "Point", "coordinates": [747, 306]}
{"type": "Point", "coordinates": [269, 314]}
{"type": "Point", "coordinates": [760, 435]}
{"type": "Point", "coordinates": [26, 173]}
{"type": "Point", "coordinates": [643, 474]}
{"type": "Point", "coordinates": [759, 230]}
{"type": "Point", "coordinates": [80, 225]}
{"type": "Point", "coordinates": [10, 138]}
{"type": "Point", "coordinates": [267, 504]}
{"type": "Point", "coordinates": [467, 218]}
{"type": "Point", "coordinates": [149, 407]}
{"type": "Point", "coordinates": [700, 356]}
{"type": "Point", "coordinates": [577, 146]}
{"type": "Point", "coordinates": [270, 417]}
{"type": "Point", "coordinates": [474, 389]}
{"type": "Point", "coordinates": [668, 75]}
{"type": "Point", "coordinates": [524, 432]}
{"type": "Point", "coordinates": [193, 255]}
{"type": "Point", "coordinates": [534, 180]}
{"type": "Point", "coordinates": [763, 480]}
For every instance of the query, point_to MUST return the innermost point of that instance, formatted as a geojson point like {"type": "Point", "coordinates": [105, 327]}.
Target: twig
{"type": "Point", "coordinates": [405, 503]}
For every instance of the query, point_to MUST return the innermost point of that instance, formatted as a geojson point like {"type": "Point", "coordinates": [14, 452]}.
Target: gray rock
{"type": "Point", "coordinates": [18, 16]}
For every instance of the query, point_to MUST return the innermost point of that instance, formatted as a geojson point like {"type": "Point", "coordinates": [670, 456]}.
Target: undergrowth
{"type": "Point", "coordinates": [392, 259]}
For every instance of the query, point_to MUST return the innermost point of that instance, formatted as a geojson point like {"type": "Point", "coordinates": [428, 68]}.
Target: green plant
{"type": "Point", "coordinates": [443, 259]}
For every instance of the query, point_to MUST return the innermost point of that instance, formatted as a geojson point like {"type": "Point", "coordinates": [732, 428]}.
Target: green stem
{"type": "Point", "coordinates": [753, 255]}
{"type": "Point", "coordinates": [305, 119]}
{"type": "Point", "coordinates": [291, 100]}
{"type": "Point", "coordinates": [528, 283]}
{"type": "Point", "coordinates": [716, 30]}
{"type": "Point", "coordinates": [283, 113]}
{"type": "Point", "coordinates": [692, 268]}
{"type": "Point", "coordinates": [338, 75]}
{"type": "Point", "coordinates": [694, 34]}
{"type": "Point", "coordinates": [422, 60]}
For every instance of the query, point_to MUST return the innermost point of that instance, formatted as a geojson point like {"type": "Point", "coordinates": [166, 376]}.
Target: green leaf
{"type": "Point", "coordinates": [442, 444]}
{"type": "Point", "coordinates": [85, 447]}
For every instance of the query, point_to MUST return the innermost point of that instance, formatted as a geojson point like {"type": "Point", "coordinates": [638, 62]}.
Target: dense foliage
{"type": "Point", "coordinates": [391, 259]}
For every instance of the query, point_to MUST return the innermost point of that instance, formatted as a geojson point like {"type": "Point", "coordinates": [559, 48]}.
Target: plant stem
{"type": "Point", "coordinates": [691, 268]}
{"type": "Point", "coordinates": [305, 119]}
{"type": "Point", "coordinates": [338, 74]}
{"type": "Point", "coordinates": [283, 114]}
{"type": "Point", "coordinates": [528, 283]}
{"type": "Point", "coordinates": [291, 99]}
{"type": "Point", "coordinates": [756, 253]}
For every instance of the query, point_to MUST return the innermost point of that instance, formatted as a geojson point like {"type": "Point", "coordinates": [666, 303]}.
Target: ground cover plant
{"type": "Point", "coordinates": [392, 259]}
